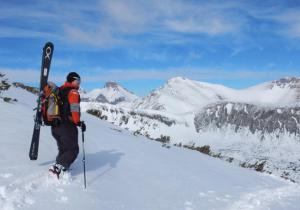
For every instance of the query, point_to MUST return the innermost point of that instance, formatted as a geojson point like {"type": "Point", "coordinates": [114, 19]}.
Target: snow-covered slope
{"type": "Point", "coordinates": [181, 95]}
{"type": "Point", "coordinates": [125, 172]}
{"type": "Point", "coordinates": [262, 138]}
{"type": "Point", "coordinates": [111, 93]}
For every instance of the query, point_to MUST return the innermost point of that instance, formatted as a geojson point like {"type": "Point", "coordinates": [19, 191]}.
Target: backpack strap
{"type": "Point", "coordinates": [65, 105]}
{"type": "Point", "coordinates": [70, 108]}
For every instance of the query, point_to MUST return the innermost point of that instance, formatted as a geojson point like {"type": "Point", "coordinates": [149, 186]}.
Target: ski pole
{"type": "Point", "coordinates": [83, 158]}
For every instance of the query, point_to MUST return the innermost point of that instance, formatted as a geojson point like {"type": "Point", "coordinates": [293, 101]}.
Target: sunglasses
{"type": "Point", "coordinates": [77, 79]}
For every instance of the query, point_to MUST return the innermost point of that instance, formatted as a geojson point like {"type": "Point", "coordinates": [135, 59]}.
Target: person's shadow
{"type": "Point", "coordinates": [95, 161]}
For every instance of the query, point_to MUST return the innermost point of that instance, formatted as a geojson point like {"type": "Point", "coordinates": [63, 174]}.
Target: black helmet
{"type": "Point", "coordinates": [73, 76]}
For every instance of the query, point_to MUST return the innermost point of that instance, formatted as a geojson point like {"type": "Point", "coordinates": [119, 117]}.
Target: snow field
{"type": "Point", "coordinates": [125, 172]}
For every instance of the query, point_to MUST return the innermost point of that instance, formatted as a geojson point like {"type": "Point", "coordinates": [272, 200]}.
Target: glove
{"type": "Point", "coordinates": [82, 125]}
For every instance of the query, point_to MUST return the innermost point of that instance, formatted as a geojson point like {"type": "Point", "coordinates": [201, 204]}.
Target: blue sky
{"type": "Point", "coordinates": [141, 44]}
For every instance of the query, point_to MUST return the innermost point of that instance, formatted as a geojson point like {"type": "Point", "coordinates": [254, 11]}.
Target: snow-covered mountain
{"type": "Point", "coordinates": [123, 171]}
{"type": "Point", "coordinates": [181, 95]}
{"type": "Point", "coordinates": [111, 93]}
{"type": "Point", "coordinates": [252, 127]}
{"type": "Point", "coordinates": [282, 92]}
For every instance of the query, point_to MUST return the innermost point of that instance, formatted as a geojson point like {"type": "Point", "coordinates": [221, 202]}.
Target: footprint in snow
{"type": "Point", "coordinates": [213, 197]}
{"type": "Point", "coordinates": [6, 175]}
{"type": "Point", "coordinates": [63, 199]}
{"type": "Point", "coordinates": [202, 194]}
{"type": "Point", "coordinates": [188, 205]}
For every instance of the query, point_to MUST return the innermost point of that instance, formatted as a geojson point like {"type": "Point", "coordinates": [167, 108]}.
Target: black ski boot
{"type": "Point", "coordinates": [56, 169]}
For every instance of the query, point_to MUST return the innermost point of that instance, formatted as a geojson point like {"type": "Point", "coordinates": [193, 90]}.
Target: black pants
{"type": "Point", "coordinates": [66, 136]}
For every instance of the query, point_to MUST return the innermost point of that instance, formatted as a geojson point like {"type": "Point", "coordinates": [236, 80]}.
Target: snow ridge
{"type": "Point", "coordinates": [181, 95]}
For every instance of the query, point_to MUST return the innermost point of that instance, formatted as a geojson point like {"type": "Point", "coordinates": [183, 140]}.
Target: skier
{"type": "Point", "coordinates": [66, 132]}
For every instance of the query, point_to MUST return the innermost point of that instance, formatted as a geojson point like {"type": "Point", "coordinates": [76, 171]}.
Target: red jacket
{"type": "Point", "coordinates": [74, 101]}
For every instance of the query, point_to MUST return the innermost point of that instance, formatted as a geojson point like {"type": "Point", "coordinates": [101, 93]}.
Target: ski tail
{"type": "Point", "coordinates": [33, 152]}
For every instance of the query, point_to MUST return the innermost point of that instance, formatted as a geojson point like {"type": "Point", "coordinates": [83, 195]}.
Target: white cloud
{"type": "Point", "coordinates": [20, 32]}
{"type": "Point", "coordinates": [28, 75]}
{"type": "Point", "coordinates": [127, 17]}
{"type": "Point", "coordinates": [21, 75]}
{"type": "Point", "coordinates": [100, 37]}
{"type": "Point", "coordinates": [63, 62]}
{"type": "Point", "coordinates": [107, 23]}
{"type": "Point", "coordinates": [210, 26]}
{"type": "Point", "coordinates": [204, 18]}
{"type": "Point", "coordinates": [291, 22]}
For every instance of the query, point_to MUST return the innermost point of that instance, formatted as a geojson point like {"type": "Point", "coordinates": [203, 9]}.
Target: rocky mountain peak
{"type": "Point", "coordinates": [111, 85]}
{"type": "Point", "coordinates": [175, 80]}
{"type": "Point", "coordinates": [291, 82]}
{"type": "Point", "coordinates": [111, 93]}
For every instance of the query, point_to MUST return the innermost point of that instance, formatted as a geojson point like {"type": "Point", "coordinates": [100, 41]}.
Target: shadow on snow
{"type": "Point", "coordinates": [93, 162]}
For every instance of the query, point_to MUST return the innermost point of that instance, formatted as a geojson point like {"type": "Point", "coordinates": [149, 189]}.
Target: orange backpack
{"type": "Point", "coordinates": [51, 103]}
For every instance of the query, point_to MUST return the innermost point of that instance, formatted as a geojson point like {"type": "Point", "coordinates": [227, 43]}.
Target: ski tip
{"type": "Point", "coordinates": [49, 44]}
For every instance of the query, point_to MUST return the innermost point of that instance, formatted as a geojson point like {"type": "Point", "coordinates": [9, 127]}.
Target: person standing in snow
{"type": "Point", "coordinates": [66, 132]}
